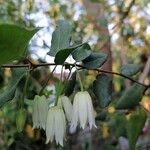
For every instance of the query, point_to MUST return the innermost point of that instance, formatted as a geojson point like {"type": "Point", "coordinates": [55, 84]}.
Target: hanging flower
{"type": "Point", "coordinates": [55, 125]}
{"type": "Point", "coordinates": [83, 111]}
{"type": "Point", "coordinates": [64, 102]}
{"type": "Point", "coordinates": [40, 110]}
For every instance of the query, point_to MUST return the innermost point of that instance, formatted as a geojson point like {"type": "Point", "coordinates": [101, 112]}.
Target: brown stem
{"type": "Point", "coordinates": [115, 73]}
{"type": "Point", "coordinates": [145, 71]}
{"type": "Point", "coordinates": [73, 65]}
{"type": "Point", "coordinates": [15, 66]}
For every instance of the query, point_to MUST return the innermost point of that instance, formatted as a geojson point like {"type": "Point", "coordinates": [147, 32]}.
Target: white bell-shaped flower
{"type": "Point", "coordinates": [55, 125]}
{"type": "Point", "coordinates": [83, 112]}
{"type": "Point", "coordinates": [40, 110]}
{"type": "Point", "coordinates": [64, 102]}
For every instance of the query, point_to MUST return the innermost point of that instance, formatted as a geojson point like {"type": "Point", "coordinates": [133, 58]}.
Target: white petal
{"type": "Point", "coordinates": [67, 107]}
{"type": "Point", "coordinates": [57, 126]}
{"type": "Point", "coordinates": [50, 125]}
{"type": "Point", "coordinates": [82, 102]}
{"type": "Point", "coordinates": [63, 128]}
{"type": "Point", "coordinates": [43, 110]}
{"type": "Point", "coordinates": [35, 113]}
{"type": "Point", "coordinates": [75, 114]}
{"type": "Point", "coordinates": [61, 142]}
{"type": "Point", "coordinates": [60, 126]}
{"type": "Point", "coordinates": [91, 119]}
{"type": "Point", "coordinates": [40, 110]}
{"type": "Point", "coordinates": [83, 111]}
{"type": "Point", "coordinates": [59, 103]}
{"type": "Point", "coordinates": [72, 129]}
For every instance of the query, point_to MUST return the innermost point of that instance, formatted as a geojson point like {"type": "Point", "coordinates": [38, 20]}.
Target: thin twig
{"type": "Point", "coordinates": [69, 73]}
{"type": "Point", "coordinates": [61, 76]}
{"type": "Point", "coordinates": [79, 78]}
{"type": "Point", "coordinates": [15, 66]}
{"type": "Point", "coordinates": [49, 77]}
{"type": "Point", "coordinates": [115, 73]}
{"type": "Point", "coordinates": [73, 65]}
{"type": "Point", "coordinates": [25, 88]}
{"type": "Point", "coordinates": [60, 81]}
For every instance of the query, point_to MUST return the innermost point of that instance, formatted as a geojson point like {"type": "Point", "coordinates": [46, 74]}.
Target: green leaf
{"type": "Point", "coordinates": [1, 77]}
{"type": "Point", "coordinates": [62, 55]}
{"type": "Point", "coordinates": [101, 116]}
{"type": "Point", "coordinates": [130, 69]}
{"type": "Point", "coordinates": [111, 147]}
{"type": "Point", "coordinates": [13, 42]}
{"type": "Point", "coordinates": [81, 52]}
{"type": "Point", "coordinates": [59, 86]}
{"type": "Point", "coordinates": [69, 88]}
{"type": "Point", "coordinates": [102, 88]}
{"type": "Point", "coordinates": [118, 124]}
{"type": "Point", "coordinates": [135, 125]}
{"type": "Point", "coordinates": [131, 97]}
{"type": "Point", "coordinates": [9, 93]}
{"type": "Point", "coordinates": [60, 37]}
{"type": "Point", "coordinates": [95, 60]}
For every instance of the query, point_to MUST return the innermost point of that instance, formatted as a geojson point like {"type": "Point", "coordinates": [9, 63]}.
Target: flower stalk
{"type": "Point", "coordinates": [46, 82]}
{"type": "Point", "coordinates": [21, 102]}
{"type": "Point", "coordinates": [61, 80]}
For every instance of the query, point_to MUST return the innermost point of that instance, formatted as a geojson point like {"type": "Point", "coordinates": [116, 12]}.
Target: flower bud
{"type": "Point", "coordinates": [20, 119]}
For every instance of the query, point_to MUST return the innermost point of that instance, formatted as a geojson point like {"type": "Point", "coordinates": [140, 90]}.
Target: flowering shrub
{"type": "Point", "coordinates": [72, 106]}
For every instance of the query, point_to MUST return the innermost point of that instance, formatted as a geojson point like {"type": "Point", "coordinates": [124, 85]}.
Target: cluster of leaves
{"type": "Point", "coordinates": [61, 48]}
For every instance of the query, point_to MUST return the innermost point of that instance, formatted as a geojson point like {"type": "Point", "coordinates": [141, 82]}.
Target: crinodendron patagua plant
{"type": "Point", "coordinates": [73, 104]}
